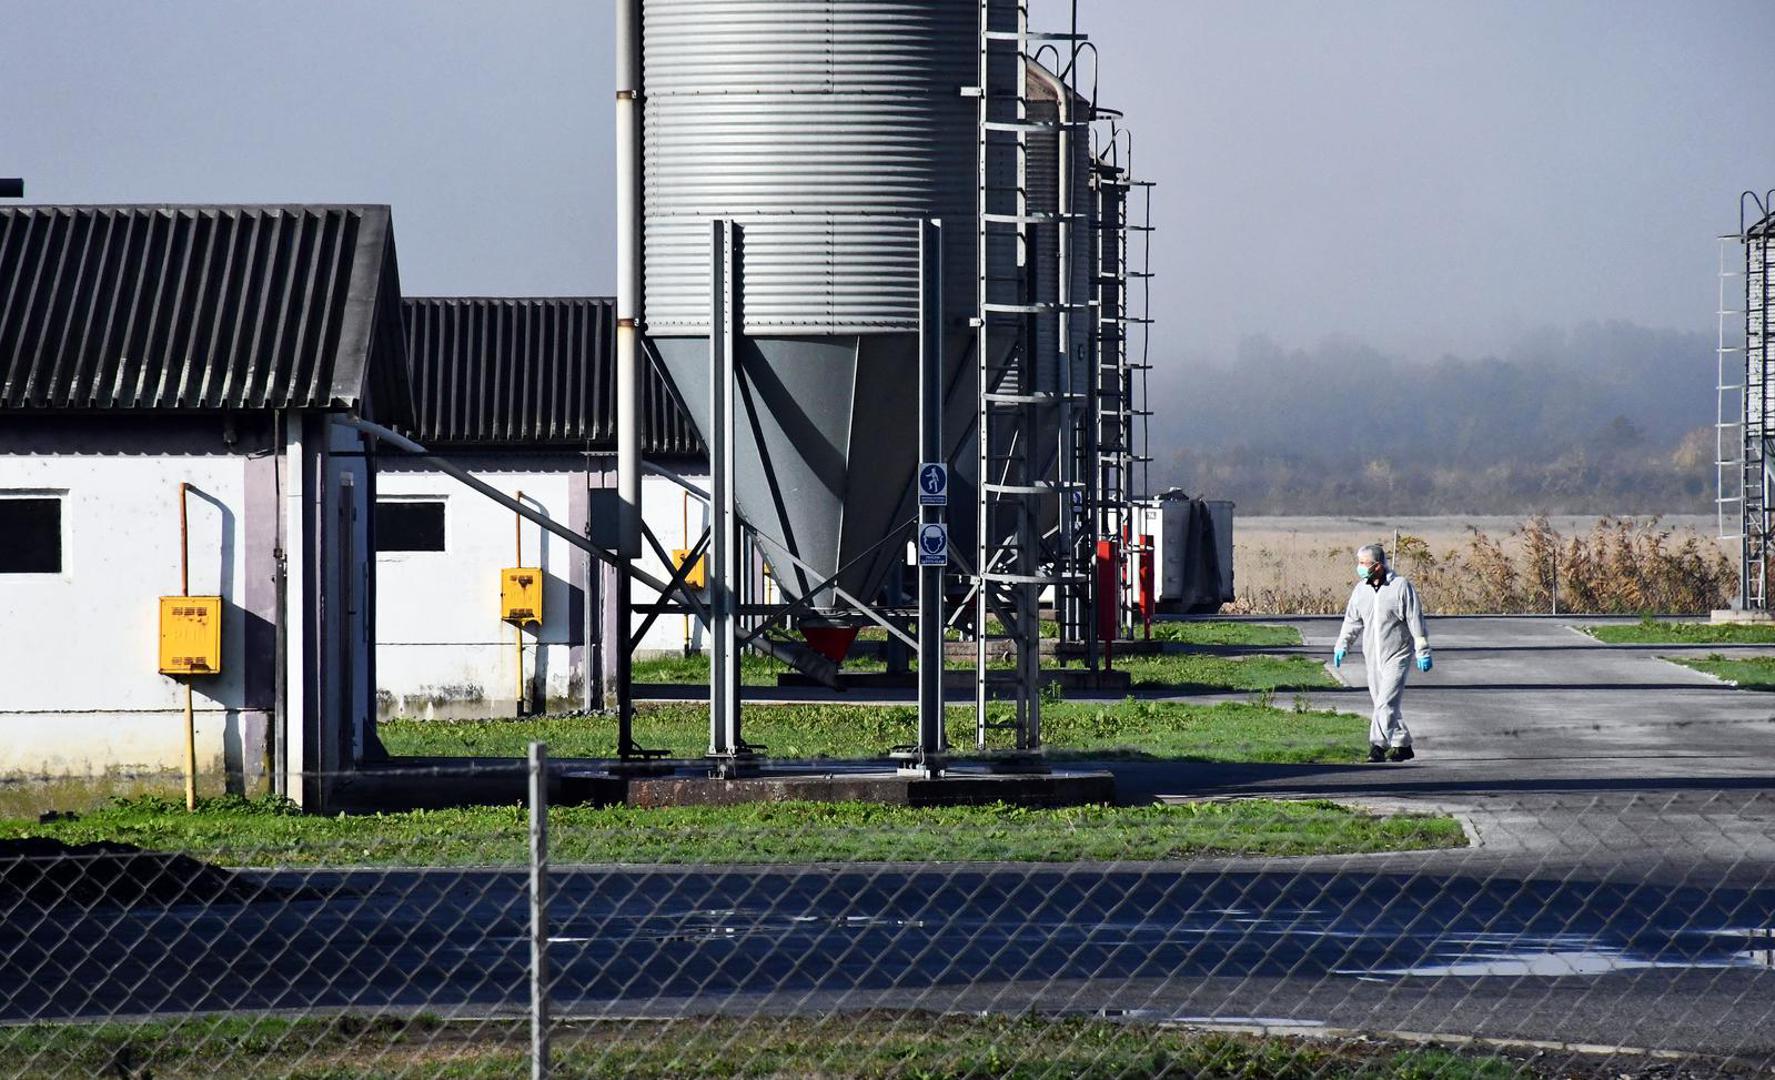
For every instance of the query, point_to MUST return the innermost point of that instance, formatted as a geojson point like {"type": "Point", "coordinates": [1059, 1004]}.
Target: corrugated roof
{"type": "Point", "coordinates": [529, 371]}
{"type": "Point", "coordinates": [201, 307]}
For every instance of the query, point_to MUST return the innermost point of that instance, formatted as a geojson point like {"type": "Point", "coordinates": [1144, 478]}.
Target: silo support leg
{"type": "Point", "coordinates": [727, 749]}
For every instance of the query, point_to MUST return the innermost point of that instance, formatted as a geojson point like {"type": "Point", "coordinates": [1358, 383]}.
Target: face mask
{"type": "Point", "coordinates": [1363, 572]}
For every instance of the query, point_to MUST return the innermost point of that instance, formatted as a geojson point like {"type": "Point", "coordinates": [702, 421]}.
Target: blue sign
{"type": "Point", "coordinates": [933, 484]}
{"type": "Point", "coordinates": [933, 545]}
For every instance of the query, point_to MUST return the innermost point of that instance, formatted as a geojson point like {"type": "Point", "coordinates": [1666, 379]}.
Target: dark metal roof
{"type": "Point", "coordinates": [201, 307]}
{"type": "Point", "coordinates": [1763, 228]}
{"type": "Point", "coordinates": [529, 371]}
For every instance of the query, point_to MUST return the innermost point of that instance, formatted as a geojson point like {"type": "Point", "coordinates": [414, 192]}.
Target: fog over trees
{"type": "Point", "coordinates": [1601, 418]}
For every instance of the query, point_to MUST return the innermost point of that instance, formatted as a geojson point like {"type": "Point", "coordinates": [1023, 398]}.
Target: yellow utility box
{"type": "Point", "coordinates": [520, 595]}
{"type": "Point", "coordinates": [191, 635]}
{"type": "Point", "coordinates": [698, 578]}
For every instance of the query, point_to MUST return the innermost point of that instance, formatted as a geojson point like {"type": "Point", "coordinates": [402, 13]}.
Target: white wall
{"type": "Point", "coordinates": [442, 649]}
{"type": "Point", "coordinates": [81, 694]}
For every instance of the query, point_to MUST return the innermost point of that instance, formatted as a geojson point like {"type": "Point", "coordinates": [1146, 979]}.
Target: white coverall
{"type": "Point", "coordinates": [1391, 624]}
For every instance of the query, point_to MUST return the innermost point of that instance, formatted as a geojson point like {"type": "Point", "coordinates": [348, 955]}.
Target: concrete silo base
{"type": "Point", "coordinates": [1067, 679]}
{"type": "Point", "coordinates": [434, 783]}
{"type": "Point", "coordinates": [960, 787]}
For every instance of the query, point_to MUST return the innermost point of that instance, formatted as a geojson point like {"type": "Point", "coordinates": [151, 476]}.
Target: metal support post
{"type": "Point", "coordinates": [933, 743]}
{"type": "Point", "coordinates": [725, 742]}
{"type": "Point", "coordinates": [628, 333]}
{"type": "Point", "coordinates": [539, 911]}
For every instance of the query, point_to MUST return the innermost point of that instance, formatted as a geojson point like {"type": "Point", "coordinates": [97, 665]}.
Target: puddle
{"type": "Point", "coordinates": [1724, 950]}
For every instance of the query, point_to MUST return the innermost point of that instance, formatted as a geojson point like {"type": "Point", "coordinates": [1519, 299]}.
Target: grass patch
{"type": "Point", "coordinates": [237, 832]}
{"type": "Point", "coordinates": [1749, 672]}
{"type": "Point", "coordinates": [1226, 632]}
{"type": "Point", "coordinates": [1198, 672]}
{"type": "Point", "coordinates": [866, 1046]}
{"type": "Point", "coordinates": [1231, 732]}
{"type": "Point", "coordinates": [1650, 632]}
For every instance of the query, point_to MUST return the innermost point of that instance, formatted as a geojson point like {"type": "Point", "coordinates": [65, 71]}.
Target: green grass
{"type": "Point", "coordinates": [1162, 729]}
{"type": "Point", "coordinates": [755, 670]}
{"type": "Point", "coordinates": [1186, 672]}
{"type": "Point", "coordinates": [1224, 632]}
{"type": "Point", "coordinates": [1748, 672]}
{"type": "Point", "coordinates": [877, 1045]}
{"type": "Point", "coordinates": [1649, 632]}
{"type": "Point", "coordinates": [236, 832]}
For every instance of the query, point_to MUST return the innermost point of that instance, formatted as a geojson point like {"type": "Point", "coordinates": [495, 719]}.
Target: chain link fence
{"type": "Point", "coordinates": [1598, 935]}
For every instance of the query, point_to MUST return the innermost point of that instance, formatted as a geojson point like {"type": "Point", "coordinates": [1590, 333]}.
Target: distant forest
{"type": "Point", "coordinates": [1610, 418]}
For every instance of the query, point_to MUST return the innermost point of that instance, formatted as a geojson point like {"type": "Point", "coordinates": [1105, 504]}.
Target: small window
{"type": "Point", "coordinates": [30, 536]}
{"type": "Point", "coordinates": [409, 526]}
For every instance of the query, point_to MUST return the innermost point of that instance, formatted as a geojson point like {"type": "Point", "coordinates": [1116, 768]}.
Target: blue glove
{"type": "Point", "coordinates": [1337, 658]}
{"type": "Point", "coordinates": [1423, 663]}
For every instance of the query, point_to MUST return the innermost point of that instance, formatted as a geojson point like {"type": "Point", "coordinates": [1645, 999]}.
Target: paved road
{"type": "Point", "coordinates": [1684, 968]}
{"type": "Point", "coordinates": [1559, 751]}
{"type": "Point", "coordinates": [1621, 890]}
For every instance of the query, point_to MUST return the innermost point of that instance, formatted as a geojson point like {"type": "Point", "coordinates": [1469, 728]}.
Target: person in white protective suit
{"type": "Point", "coordinates": [1384, 612]}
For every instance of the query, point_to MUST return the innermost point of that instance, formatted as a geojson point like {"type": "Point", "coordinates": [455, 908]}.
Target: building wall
{"type": "Point", "coordinates": [81, 694]}
{"type": "Point", "coordinates": [442, 649]}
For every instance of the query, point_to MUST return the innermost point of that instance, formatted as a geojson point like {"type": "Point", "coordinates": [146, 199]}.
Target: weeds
{"type": "Point", "coordinates": [1624, 566]}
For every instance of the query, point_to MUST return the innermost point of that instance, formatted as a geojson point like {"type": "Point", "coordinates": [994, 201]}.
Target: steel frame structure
{"type": "Point", "coordinates": [1745, 420]}
{"type": "Point", "coordinates": [1014, 408]}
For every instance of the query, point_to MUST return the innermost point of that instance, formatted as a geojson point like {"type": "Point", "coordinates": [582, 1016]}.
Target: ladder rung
{"type": "Point", "coordinates": [1043, 487]}
{"type": "Point", "coordinates": [1027, 219]}
{"type": "Point", "coordinates": [1031, 35]}
{"type": "Point", "coordinates": [1022, 309]}
{"type": "Point", "coordinates": [1026, 126]}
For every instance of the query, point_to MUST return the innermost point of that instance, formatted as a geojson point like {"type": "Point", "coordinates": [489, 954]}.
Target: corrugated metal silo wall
{"type": "Point", "coordinates": [827, 129]}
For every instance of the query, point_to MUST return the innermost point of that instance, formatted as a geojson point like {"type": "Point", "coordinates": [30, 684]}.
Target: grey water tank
{"type": "Point", "coordinates": [827, 130]}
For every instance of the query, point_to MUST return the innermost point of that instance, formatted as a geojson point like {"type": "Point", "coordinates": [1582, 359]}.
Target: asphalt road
{"type": "Point", "coordinates": [1620, 891]}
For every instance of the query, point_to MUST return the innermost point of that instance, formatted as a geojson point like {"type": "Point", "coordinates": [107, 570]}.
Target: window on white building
{"type": "Point", "coordinates": [409, 525]}
{"type": "Point", "coordinates": [30, 535]}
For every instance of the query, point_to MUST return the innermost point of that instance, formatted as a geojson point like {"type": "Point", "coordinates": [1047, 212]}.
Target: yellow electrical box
{"type": "Point", "coordinates": [520, 595]}
{"type": "Point", "coordinates": [698, 578]}
{"type": "Point", "coordinates": [191, 635]}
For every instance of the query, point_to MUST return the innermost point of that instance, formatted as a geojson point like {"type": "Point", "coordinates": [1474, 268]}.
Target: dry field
{"type": "Point", "coordinates": [1306, 565]}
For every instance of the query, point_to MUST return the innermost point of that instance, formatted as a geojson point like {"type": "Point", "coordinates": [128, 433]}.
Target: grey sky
{"type": "Point", "coordinates": [1427, 176]}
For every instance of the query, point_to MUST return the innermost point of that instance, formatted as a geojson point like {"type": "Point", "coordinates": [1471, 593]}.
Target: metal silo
{"type": "Point", "coordinates": [827, 131]}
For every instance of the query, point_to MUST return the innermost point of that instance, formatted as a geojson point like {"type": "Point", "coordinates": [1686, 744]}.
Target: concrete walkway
{"type": "Point", "coordinates": [1557, 750]}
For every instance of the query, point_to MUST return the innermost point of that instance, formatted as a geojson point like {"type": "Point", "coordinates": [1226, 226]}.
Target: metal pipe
{"type": "Point", "coordinates": [190, 712]}
{"type": "Point", "coordinates": [629, 304]}
{"type": "Point", "coordinates": [518, 626]}
{"type": "Point", "coordinates": [725, 740]}
{"type": "Point", "coordinates": [469, 480]}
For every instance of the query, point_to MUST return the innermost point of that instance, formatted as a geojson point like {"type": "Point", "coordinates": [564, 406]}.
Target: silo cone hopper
{"type": "Point", "coordinates": [827, 432]}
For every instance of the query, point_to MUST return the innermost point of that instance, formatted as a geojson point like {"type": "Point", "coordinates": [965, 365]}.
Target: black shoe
{"type": "Point", "coordinates": [1376, 753]}
{"type": "Point", "coordinates": [1401, 753]}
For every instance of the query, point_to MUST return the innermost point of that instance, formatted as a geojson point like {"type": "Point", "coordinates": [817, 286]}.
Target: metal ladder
{"type": "Point", "coordinates": [1757, 421]}
{"type": "Point", "coordinates": [1011, 568]}
{"type": "Point", "coordinates": [1728, 456]}
{"type": "Point", "coordinates": [1113, 383]}
{"type": "Point", "coordinates": [1139, 404]}
{"type": "Point", "coordinates": [1124, 424]}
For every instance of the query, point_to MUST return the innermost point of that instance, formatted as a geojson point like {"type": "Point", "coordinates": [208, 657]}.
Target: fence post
{"type": "Point", "coordinates": [539, 915]}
